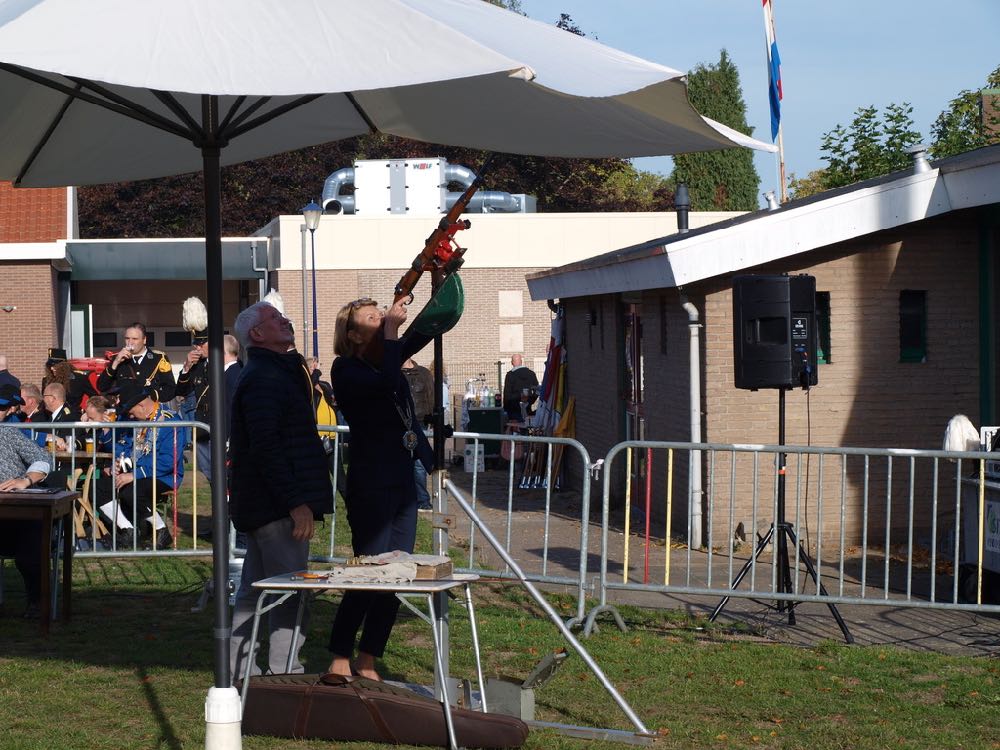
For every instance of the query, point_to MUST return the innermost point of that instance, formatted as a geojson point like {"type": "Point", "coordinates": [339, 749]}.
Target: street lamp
{"type": "Point", "coordinates": [312, 212]}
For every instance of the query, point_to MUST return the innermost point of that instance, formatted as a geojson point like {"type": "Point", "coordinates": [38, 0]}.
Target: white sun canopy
{"type": "Point", "coordinates": [461, 72]}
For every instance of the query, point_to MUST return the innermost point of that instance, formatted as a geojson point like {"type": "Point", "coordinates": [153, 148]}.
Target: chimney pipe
{"type": "Point", "coordinates": [682, 205]}
{"type": "Point", "coordinates": [919, 155]}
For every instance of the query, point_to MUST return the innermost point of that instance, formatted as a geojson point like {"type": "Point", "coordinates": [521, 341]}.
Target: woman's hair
{"type": "Point", "coordinates": [342, 345]}
{"type": "Point", "coordinates": [62, 372]}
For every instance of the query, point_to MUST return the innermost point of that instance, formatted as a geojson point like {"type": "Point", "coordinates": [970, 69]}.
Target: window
{"type": "Point", "coordinates": [176, 339]}
{"type": "Point", "coordinates": [823, 355]}
{"type": "Point", "coordinates": [105, 340]}
{"type": "Point", "coordinates": [912, 325]}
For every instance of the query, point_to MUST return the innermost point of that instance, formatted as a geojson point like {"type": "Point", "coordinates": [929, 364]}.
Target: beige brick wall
{"type": "Point", "coordinates": [472, 346]}
{"type": "Point", "coordinates": [865, 397]}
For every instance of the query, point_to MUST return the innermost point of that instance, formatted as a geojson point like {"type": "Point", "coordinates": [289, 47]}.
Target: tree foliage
{"type": "Point", "coordinates": [803, 187]}
{"type": "Point", "coordinates": [719, 180]}
{"type": "Point", "coordinates": [961, 128]}
{"type": "Point", "coordinates": [873, 145]}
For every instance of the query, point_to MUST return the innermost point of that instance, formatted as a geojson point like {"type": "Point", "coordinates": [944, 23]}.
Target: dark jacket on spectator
{"type": "Point", "coordinates": [277, 458]}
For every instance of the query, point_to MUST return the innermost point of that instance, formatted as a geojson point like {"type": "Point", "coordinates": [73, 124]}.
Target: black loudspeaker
{"type": "Point", "coordinates": [774, 331]}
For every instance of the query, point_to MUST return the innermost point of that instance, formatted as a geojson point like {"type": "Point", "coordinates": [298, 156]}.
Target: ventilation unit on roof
{"type": "Point", "coordinates": [412, 187]}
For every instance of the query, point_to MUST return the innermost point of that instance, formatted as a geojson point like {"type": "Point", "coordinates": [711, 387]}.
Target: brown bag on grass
{"type": "Point", "coordinates": [355, 709]}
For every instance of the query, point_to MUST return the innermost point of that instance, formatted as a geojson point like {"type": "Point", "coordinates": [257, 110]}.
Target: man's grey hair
{"type": "Point", "coordinates": [3, 361]}
{"type": "Point", "coordinates": [247, 320]}
{"type": "Point", "coordinates": [231, 345]}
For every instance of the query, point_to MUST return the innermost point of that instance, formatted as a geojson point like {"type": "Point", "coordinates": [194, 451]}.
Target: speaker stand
{"type": "Point", "coordinates": [782, 534]}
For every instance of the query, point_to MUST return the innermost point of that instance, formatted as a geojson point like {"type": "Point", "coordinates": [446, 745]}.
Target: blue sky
{"type": "Point", "coordinates": [837, 56]}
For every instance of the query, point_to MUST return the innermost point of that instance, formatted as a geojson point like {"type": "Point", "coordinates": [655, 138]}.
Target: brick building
{"type": "Point", "coordinates": [33, 286]}
{"type": "Point", "coordinates": [923, 242]}
{"type": "Point", "coordinates": [80, 294]}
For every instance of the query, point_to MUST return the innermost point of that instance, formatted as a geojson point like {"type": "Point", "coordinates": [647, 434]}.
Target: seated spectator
{"type": "Point", "coordinates": [76, 383]}
{"type": "Point", "coordinates": [55, 402]}
{"type": "Point", "coordinates": [22, 464]}
{"type": "Point", "coordinates": [97, 411]}
{"type": "Point", "coordinates": [148, 463]}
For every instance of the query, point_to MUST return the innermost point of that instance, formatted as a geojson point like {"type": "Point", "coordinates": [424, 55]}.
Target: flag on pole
{"type": "Point", "coordinates": [773, 70]}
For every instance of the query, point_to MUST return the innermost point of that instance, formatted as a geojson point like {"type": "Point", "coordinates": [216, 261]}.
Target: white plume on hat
{"type": "Point", "coordinates": [194, 315]}
{"type": "Point", "coordinates": [273, 298]}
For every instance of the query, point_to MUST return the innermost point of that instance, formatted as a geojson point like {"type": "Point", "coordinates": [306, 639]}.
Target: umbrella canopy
{"type": "Point", "coordinates": [111, 90]}
{"type": "Point", "coordinates": [301, 72]}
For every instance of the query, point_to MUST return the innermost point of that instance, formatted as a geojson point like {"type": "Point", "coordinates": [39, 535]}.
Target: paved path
{"type": "Point", "coordinates": [922, 628]}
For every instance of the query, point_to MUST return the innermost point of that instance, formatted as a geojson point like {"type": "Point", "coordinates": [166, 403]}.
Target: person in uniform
{"type": "Point", "coordinates": [148, 368]}
{"type": "Point", "coordinates": [76, 382]}
{"type": "Point", "coordinates": [192, 381]}
{"type": "Point", "coordinates": [148, 463]}
{"type": "Point", "coordinates": [55, 402]}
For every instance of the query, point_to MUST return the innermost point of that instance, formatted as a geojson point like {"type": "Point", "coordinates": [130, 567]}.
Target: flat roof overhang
{"type": "Point", "coordinates": [163, 259]}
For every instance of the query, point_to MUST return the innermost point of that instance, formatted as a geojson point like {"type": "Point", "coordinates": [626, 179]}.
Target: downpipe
{"type": "Point", "coordinates": [694, 376]}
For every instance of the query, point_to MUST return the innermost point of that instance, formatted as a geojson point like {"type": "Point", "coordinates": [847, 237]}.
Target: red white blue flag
{"type": "Point", "coordinates": [773, 70]}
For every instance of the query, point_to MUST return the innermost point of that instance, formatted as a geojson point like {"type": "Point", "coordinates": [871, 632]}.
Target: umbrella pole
{"type": "Point", "coordinates": [222, 706]}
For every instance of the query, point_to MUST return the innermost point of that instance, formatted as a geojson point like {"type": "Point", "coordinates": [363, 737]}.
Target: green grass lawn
{"type": "Point", "coordinates": [133, 667]}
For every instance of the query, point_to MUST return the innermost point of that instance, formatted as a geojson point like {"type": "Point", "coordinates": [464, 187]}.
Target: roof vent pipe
{"type": "Point", "coordinates": [772, 202]}
{"type": "Point", "coordinates": [919, 155]}
{"type": "Point", "coordinates": [458, 173]}
{"type": "Point", "coordinates": [487, 202]}
{"type": "Point", "coordinates": [331, 191]}
{"type": "Point", "coordinates": [682, 205]}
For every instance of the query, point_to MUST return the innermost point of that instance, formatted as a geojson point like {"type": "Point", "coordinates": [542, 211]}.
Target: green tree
{"type": "Point", "coordinates": [960, 128]}
{"type": "Point", "coordinates": [719, 180]}
{"type": "Point", "coordinates": [803, 187]}
{"type": "Point", "coordinates": [872, 146]}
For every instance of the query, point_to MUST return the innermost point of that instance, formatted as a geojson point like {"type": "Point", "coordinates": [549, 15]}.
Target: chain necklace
{"type": "Point", "coordinates": [141, 445]}
{"type": "Point", "coordinates": [410, 441]}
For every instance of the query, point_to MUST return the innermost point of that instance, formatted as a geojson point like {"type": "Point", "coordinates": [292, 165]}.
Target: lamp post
{"type": "Point", "coordinates": [312, 212]}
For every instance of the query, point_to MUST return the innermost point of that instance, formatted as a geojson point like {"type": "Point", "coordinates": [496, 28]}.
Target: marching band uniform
{"type": "Point", "coordinates": [151, 370]}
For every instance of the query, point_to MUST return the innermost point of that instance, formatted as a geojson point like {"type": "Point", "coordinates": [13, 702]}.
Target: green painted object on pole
{"type": "Point", "coordinates": [444, 309]}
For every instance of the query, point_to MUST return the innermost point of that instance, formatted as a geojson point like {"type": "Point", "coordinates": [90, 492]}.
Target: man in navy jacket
{"type": "Point", "coordinates": [280, 481]}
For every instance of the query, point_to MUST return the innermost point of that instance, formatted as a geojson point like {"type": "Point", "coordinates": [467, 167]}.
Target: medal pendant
{"type": "Point", "coordinates": [410, 441]}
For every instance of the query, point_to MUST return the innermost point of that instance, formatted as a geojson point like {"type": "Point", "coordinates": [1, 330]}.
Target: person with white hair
{"type": "Point", "coordinates": [280, 481]}
{"type": "Point", "coordinates": [23, 463]}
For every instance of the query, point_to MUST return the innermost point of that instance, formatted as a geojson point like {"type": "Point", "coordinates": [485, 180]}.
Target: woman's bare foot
{"type": "Point", "coordinates": [340, 665]}
{"type": "Point", "coordinates": [364, 666]}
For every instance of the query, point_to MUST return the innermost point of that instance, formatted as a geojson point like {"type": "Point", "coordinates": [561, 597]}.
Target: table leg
{"type": "Point", "coordinates": [45, 550]}
{"type": "Point", "coordinates": [295, 631]}
{"type": "Point", "coordinates": [475, 647]}
{"type": "Point", "coordinates": [67, 571]}
{"type": "Point", "coordinates": [443, 682]}
{"type": "Point", "coordinates": [252, 650]}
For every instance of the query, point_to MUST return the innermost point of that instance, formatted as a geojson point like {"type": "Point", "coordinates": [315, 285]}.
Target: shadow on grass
{"type": "Point", "coordinates": [168, 737]}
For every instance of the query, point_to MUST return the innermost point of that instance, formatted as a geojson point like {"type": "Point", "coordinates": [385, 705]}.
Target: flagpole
{"type": "Point", "coordinates": [781, 166]}
{"type": "Point", "coordinates": [775, 93]}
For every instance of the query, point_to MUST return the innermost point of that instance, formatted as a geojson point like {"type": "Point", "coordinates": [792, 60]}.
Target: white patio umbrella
{"type": "Point", "coordinates": [110, 90]}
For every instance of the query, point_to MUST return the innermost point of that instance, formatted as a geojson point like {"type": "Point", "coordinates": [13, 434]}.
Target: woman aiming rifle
{"type": "Point", "coordinates": [385, 441]}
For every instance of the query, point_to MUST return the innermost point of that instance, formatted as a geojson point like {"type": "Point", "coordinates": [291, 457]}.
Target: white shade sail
{"type": "Point", "coordinates": [459, 72]}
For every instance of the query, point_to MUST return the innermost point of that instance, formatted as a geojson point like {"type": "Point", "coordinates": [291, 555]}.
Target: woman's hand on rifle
{"type": "Point", "coordinates": [395, 316]}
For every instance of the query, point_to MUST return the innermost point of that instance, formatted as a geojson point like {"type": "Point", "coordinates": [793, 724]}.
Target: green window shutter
{"type": "Point", "coordinates": [912, 325]}
{"type": "Point", "coordinates": [823, 351]}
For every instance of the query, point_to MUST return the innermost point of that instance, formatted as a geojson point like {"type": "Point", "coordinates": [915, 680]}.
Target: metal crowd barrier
{"type": "Point", "coordinates": [90, 450]}
{"type": "Point", "coordinates": [534, 470]}
{"type": "Point", "coordinates": [908, 528]}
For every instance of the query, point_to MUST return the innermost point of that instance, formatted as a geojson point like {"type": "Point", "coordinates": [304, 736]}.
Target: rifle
{"type": "Point", "coordinates": [441, 253]}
